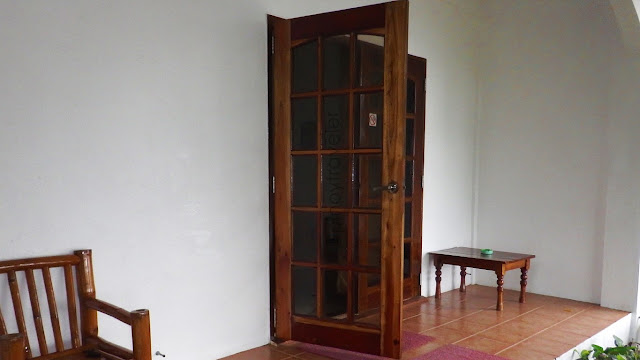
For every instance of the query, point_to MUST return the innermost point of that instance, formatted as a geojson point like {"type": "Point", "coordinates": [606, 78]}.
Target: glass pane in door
{"type": "Point", "coordinates": [367, 181]}
{"type": "Point", "coordinates": [305, 230]}
{"type": "Point", "coordinates": [335, 62]}
{"type": "Point", "coordinates": [368, 116]}
{"type": "Point", "coordinates": [408, 178]}
{"type": "Point", "coordinates": [406, 268]}
{"type": "Point", "coordinates": [411, 96]}
{"type": "Point", "coordinates": [407, 220]}
{"type": "Point", "coordinates": [335, 238]}
{"type": "Point", "coordinates": [366, 289]}
{"type": "Point", "coordinates": [304, 290]}
{"type": "Point", "coordinates": [335, 180]}
{"type": "Point", "coordinates": [369, 60]}
{"type": "Point", "coordinates": [368, 229]}
{"type": "Point", "coordinates": [304, 60]}
{"type": "Point", "coordinates": [336, 283]}
{"type": "Point", "coordinates": [304, 180]}
{"type": "Point", "coordinates": [304, 124]}
{"type": "Point", "coordinates": [335, 122]}
{"type": "Point", "coordinates": [410, 137]}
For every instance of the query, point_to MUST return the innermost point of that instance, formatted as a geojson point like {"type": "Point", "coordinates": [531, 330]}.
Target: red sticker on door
{"type": "Point", "coordinates": [373, 119]}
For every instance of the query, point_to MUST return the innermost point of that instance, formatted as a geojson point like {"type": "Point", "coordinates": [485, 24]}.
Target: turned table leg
{"type": "Point", "coordinates": [438, 278]}
{"type": "Point", "coordinates": [523, 282]}
{"type": "Point", "coordinates": [500, 282]}
{"type": "Point", "coordinates": [463, 274]}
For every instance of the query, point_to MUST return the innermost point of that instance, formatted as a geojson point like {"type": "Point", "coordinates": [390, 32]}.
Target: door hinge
{"type": "Point", "coordinates": [274, 317]}
{"type": "Point", "coordinates": [425, 85]}
{"type": "Point", "coordinates": [273, 184]}
{"type": "Point", "coordinates": [422, 182]}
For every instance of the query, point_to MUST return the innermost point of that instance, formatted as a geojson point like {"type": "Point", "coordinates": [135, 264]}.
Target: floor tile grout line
{"type": "Point", "coordinates": [451, 321]}
{"type": "Point", "coordinates": [496, 325]}
{"type": "Point", "coordinates": [286, 353]}
{"type": "Point", "coordinates": [437, 307]}
{"type": "Point", "coordinates": [541, 331]}
{"type": "Point", "coordinates": [454, 320]}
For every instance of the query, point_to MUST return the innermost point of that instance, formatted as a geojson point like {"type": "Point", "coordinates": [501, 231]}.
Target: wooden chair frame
{"type": "Point", "coordinates": [84, 341]}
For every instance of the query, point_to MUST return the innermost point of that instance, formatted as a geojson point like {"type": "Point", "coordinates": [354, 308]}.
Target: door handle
{"type": "Point", "coordinates": [392, 187]}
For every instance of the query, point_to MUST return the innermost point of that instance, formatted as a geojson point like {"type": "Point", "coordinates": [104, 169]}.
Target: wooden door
{"type": "Point", "coordinates": [339, 121]}
{"type": "Point", "coordinates": [414, 175]}
{"type": "Point", "coordinates": [368, 291]}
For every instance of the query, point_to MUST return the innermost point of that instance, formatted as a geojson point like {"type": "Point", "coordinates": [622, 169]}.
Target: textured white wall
{"type": "Point", "coordinates": [621, 253]}
{"type": "Point", "coordinates": [444, 32]}
{"type": "Point", "coordinates": [139, 129]}
{"type": "Point", "coordinates": [544, 74]}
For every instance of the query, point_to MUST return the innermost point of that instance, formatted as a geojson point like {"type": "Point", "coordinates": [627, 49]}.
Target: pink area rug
{"type": "Point", "coordinates": [453, 352]}
{"type": "Point", "coordinates": [409, 341]}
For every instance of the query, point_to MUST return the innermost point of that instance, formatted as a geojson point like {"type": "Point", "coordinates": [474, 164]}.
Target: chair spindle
{"type": "Point", "coordinates": [71, 304]}
{"type": "Point", "coordinates": [17, 308]}
{"type": "Point", "coordinates": [53, 309]}
{"type": "Point", "coordinates": [35, 309]}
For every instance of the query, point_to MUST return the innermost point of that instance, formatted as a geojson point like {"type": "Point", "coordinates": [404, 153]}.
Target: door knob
{"type": "Point", "coordinates": [392, 187]}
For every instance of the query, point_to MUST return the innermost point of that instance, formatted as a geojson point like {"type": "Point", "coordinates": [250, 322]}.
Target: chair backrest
{"type": "Point", "coordinates": [32, 285]}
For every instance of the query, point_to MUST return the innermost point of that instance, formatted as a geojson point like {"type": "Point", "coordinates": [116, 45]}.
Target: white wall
{"type": "Point", "coordinates": [444, 33]}
{"type": "Point", "coordinates": [139, 129]}
{"type": "Point", "coordinates": [544, 73]}
{"type": "Point", "coordinates": [622, 236]}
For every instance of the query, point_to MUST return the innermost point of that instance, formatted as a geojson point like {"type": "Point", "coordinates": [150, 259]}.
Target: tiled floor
{"type": "Point", "coordinates": [543, 328]}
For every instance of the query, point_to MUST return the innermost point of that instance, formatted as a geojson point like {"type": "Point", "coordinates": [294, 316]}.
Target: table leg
{"type": "Point", "coordinates": [500, 282]}
{"type": "Point", "coordinates": [523, 284]}
{"type": "Point", "coordinates": [463, 275]}
{"type": "Point", "coordinates": [438, 278]}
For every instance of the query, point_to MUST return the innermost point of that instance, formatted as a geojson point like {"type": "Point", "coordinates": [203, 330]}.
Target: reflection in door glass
{"type": "Point", "coordinates": [304, 181]}
{"type": "Point", "coordinates": [335, 294]}
{"type": "Point", "coordinates": [305, 233]}
{"type": "Point", "coordinates": [407, 219]}
{"type": "Point", "coordinates": [408, 178]}
{"type": "Point", "coordinates": [304, 59]}
{"type": "Point", "coordinates": [410, 139]}
{"type": "Point", "coordinates": [335, 122]}
{"type": "Point", "coordinates": [335, 180]}
{"type": "Point", "coordinates": [407, 260]}
{"type": "Point", "coordinates": [366, 295]}
{"type": "Point", "coordinates": [368, 116]}
{"type": "Point", "coordinates": [368, 175]}
{"type": "Point", "coordinates": [369, 60]}
{"type": "Point", "coordinates": [335, 62]}
{"type": "Point", "coordinates": [304, 124]}
{"type": "Point", "coordinates": [368, 228]}
{"type": "Point", "coordinates": [411, 96]}
{"type": "Point", "coordinates": [334, 238]}
{"type": "Point", "coordinates": [304, 290]}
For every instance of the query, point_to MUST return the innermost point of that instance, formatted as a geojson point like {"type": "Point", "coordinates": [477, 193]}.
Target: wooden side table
{"type": "Point", "coordinates": [499, 262]}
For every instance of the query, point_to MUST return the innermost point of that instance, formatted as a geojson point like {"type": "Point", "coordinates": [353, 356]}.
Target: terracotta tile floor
{"type": "Point", "coordinates": [543, 328]}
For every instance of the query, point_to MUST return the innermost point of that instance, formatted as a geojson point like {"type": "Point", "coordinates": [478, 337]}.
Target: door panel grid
{"type": "Point", "coordinates": [350, 118]}
{"type": "Point", "coordinates": [338, 235]}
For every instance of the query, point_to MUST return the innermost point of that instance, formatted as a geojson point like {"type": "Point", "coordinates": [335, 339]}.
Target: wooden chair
{"type": "Point", "coordinates": [83, 338]}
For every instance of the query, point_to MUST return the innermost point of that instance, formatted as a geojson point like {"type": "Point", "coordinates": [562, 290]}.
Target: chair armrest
{"type": "Point", "coordinates": [140, 326]}
{"type": "Point", "coordinates": [109, 309]}
{"type": "Point", "coordinates": [12, 347]}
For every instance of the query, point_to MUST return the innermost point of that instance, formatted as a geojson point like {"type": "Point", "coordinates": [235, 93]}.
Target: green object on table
{"type": "Point", "coordinates": [486, 251]}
